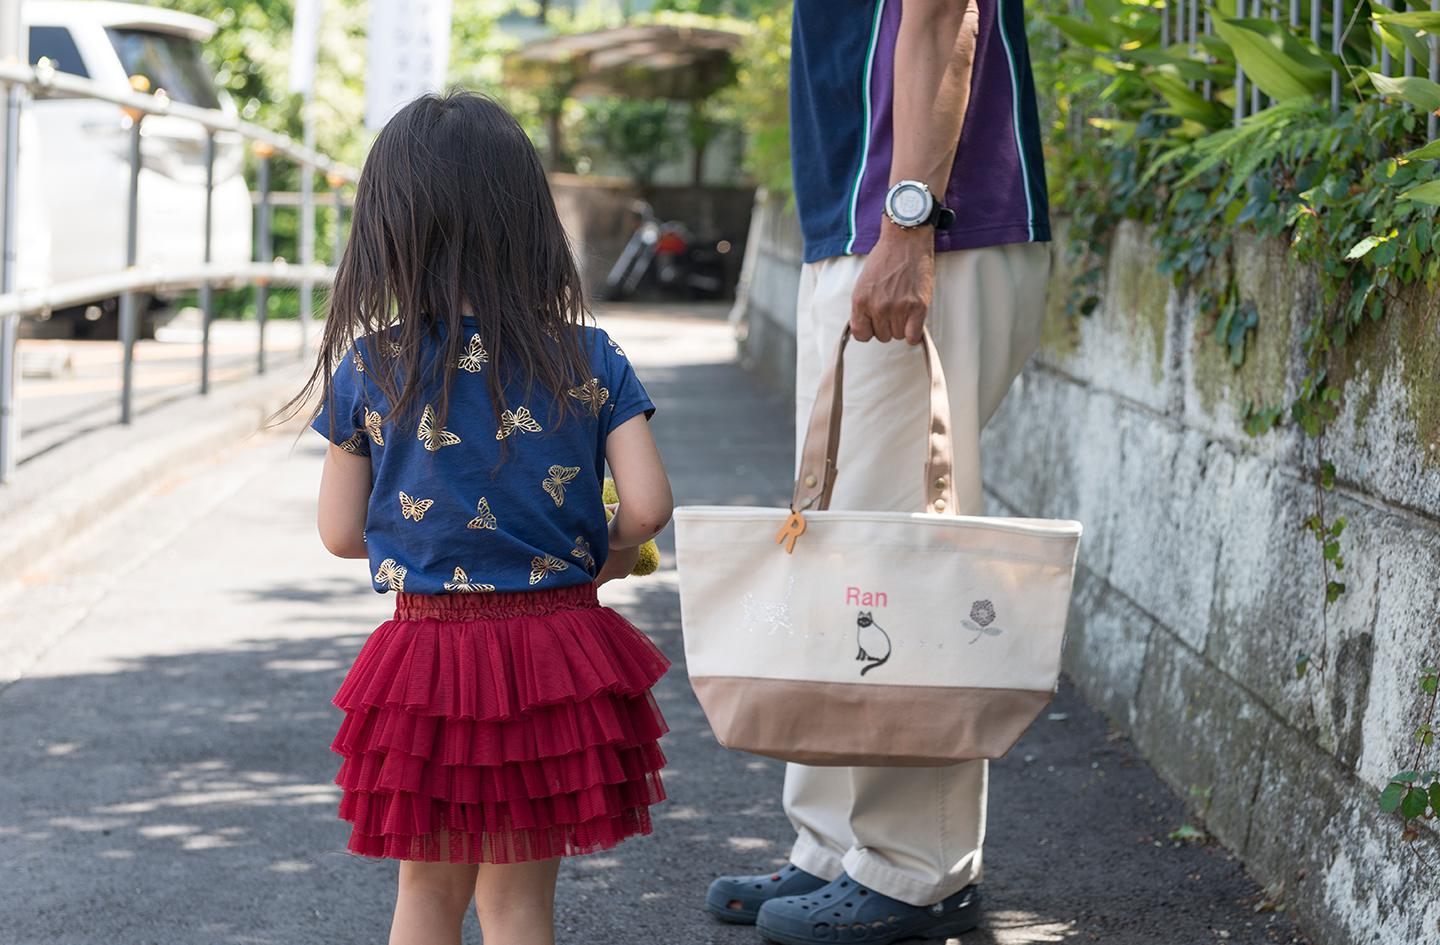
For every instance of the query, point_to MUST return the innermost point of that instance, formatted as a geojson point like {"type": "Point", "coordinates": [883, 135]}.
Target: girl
{"type": "Point", "coordinates": [503, 718]}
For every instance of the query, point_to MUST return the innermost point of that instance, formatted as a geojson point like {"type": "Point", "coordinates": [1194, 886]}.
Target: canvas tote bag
{"type": "Point", "coordinates": [838, 637]}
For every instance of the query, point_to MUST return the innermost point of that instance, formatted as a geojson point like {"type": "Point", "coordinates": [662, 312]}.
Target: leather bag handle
{"type": "Point", "coordinates": [816, 479]}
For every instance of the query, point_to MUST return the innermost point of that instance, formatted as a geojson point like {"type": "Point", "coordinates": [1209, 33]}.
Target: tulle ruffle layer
{"type": "Point", "coordinates": [500, 728]}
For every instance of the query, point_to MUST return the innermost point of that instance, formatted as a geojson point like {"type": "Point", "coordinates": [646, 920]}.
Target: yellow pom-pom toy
{"type": "Point", "coordinates": [649, 560]}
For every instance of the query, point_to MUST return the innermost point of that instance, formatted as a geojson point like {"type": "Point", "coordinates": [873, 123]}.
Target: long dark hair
{"type": "Point", "coordinates": [453, 212]}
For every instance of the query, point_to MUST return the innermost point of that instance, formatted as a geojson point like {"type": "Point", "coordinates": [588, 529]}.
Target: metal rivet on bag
{"type": "Point", "coordinates": [940, 483]}
{"type": "Point", "coordinates": [810, 482]}
{"type": "Point", "coordinates": [939, 505]}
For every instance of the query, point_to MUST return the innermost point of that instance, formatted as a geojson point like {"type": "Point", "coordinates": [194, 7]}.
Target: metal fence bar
{"type": "Point", "coordinates": [1209, 86]}
{"type": "Point", "coordinates": [337, 237]}
{"type": "Point", "coordinates": [1409, 56]}
{"type": "Point", "coordinates": [1164, 23]}
{"type": "Point", "coordinates": [1434, 120]}
{"type": "Point", "coordinates": [132, 285]}
{"type": "Point", "coordinates": [130, 301]}
{"type": "Point", "coordinates": [10, 323]}
{"type": "Point", "coordinates": [307, 229]}
{"type": "Point", "coordinates": [1337, 14]}
{"type": "Point", "coordinates": [264, 251]}
{"type": "Point", "coordinates": [1315, 22]}
{"type": "Point", "coordinates": [44, 80]}
{"type": "Point", "coordinates": [207, 291]}
{"type": "Point", "coordinates": [1254, 89]}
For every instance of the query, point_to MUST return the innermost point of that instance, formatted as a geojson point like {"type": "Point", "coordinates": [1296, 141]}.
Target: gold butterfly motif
{"type": "Point", "coordinates": [461, 583]}
{"type": "Point", "coordinates": [414, 509]}
{"type": "Point", "coordinates": [582, 551]}
{"type": "Point", "coordinates": [474, 356]}
{"type": "Point", "coordinates": [372, 426]}
{"type": "Point", "coordinates": [591, 394]}
{"type": "Point", "coordinates": [542, 565]}
{"type": "Point", "coordinates": [618, 350]}
{"type": "Point", "coordinates": [359, 362]}
{"type": "Point", "coordinates": [391, 575]}
{"type": "Point", "coordinates": [516, 420]}
{"type": "Point", "coordinates": [394, 349]}
{"type": "Point", "coordinates": [434, 438]}
{"type": "Point", "coordinates": [554, 484]}
{"type": "Point", "coordinates": [484, 518]}
{"type": "Point", "coordinates": [352, 445]}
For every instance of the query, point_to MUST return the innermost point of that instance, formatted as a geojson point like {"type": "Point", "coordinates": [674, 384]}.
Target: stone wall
{"type": "Point", "coordinates": [764, 312]}
{"type": "Point", "coordinates": [1198, 585]}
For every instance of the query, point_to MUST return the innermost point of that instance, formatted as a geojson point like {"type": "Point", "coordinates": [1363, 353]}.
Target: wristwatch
{"type": "Point", "coordinates": [910, 204]}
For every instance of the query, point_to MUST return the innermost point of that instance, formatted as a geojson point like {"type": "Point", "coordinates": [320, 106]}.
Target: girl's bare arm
{"type": "Point", "coordinates": [344, 496]}
{"type": "Point", "coordinates": [640, 481]}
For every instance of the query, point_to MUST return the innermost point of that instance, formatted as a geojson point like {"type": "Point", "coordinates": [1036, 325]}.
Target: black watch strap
{"type": "Point", "coordinates": [942, 218]}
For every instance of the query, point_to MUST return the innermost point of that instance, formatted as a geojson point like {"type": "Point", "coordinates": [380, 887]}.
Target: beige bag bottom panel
{"type": "Point", "coordinates": [826, 723]}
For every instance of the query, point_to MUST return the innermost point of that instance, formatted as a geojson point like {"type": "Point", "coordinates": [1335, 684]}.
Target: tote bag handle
{"type": "Point", "coordinates": [816, 479]}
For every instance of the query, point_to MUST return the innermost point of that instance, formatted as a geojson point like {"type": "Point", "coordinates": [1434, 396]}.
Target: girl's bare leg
{"type": "Point", "coordinates": [516, 902]}
{"type": "Point", "coordinates": [431, 902]}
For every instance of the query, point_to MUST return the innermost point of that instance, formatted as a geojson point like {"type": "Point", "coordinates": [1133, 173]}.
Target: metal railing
{"type": "Point", "coordinates": [19, 82]}
{"type": "Point", "coordinates": [1183, 22]}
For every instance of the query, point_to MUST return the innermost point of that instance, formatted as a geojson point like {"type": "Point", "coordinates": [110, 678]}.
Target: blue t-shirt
{"type": "Point", "coordinates": [446, 515]}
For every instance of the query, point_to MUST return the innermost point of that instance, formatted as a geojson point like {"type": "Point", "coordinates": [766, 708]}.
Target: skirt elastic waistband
{"type": "Point", "coordinates": [492, 605]}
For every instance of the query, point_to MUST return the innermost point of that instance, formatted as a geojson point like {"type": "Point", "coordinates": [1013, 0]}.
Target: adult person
{"type": "Point", "coordinates": [921, 193]}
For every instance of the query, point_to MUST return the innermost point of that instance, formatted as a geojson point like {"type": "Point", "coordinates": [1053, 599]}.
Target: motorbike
{"type": "Point", "coordinates": [667, 255]}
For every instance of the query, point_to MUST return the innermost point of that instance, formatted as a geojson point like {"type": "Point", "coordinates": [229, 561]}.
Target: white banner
{"type": "Point", "coordinates": [409, 54]}
{"type": "Point", "coordinates": [304, 44]}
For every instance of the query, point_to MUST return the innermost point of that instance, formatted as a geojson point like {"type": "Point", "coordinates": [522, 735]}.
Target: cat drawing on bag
{"type": "Point", "coordinates": [870, 643]}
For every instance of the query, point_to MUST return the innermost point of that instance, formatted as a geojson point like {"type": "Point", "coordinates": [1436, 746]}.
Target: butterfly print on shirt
{"type": "Point", "coordinates": [474, 356]}
{"type": "Point", "coordinates": [352, 445]}
{"type": "Point", "coordinates": [431, 435]}
{"type": "Point", "coordinates": [554, 484]}
{"type": "Point", "coordinates": [462, 584]}
{"type": "Point", "coordinates": [414, 509]}
{"type": "Point", "coordinates": [582, 551]}
{"type": "Point", "coordinates": [391, 575]}
{"type": "Point", "coordinates": [484, 518]}
{"type": "Point", "coordinates": [372, 426]}
{"type": "Point", "coordinates": [520, 419]}
{"type": "Point", "coordinates": [591, 394]}
{"type": "Point", "coordinates": [544, 565]}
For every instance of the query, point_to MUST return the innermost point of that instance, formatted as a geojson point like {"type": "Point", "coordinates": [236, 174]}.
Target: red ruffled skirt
{"type": "Point", "coordinates": [498, 728]}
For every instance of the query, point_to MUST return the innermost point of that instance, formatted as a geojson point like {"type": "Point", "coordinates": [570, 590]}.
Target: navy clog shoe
{"type": "Point", "coordinates": [739, 898]}
{"type": "Point", "coordinates": [845, 911]}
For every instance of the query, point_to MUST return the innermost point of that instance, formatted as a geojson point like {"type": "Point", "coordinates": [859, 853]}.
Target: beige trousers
{"type": "Point", "coordinates": [914, 834]}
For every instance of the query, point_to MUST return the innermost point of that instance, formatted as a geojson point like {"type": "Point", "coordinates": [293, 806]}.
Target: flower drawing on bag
{"type": "Point", "coordinates": [981, 620]}
{"type": "Point", "coordinates": [774, 616]}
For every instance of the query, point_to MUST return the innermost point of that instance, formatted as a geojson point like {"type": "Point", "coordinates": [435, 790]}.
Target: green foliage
{"type": "Point", "coordinates": [760, 97]}
{"type": "Point", "coordinates": [642, 134]}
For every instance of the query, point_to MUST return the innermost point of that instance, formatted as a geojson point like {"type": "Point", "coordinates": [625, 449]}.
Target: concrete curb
{"type": "Point", "coordinates": [56, 496]}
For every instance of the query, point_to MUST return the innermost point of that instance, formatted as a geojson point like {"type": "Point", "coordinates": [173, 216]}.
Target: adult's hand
{"type": "Point", "coordinates": [893, 294]}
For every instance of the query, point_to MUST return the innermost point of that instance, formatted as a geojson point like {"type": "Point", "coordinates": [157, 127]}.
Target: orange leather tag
{"type": "Point", "coordinates": [793, 528]}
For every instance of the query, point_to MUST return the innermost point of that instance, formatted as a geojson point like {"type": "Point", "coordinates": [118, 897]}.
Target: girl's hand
{"type": "Point", "coordinates": [618, 565]}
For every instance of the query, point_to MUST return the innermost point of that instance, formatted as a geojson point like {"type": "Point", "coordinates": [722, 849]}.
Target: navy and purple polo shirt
{"type": "Point", "coordinates": [842, 78]}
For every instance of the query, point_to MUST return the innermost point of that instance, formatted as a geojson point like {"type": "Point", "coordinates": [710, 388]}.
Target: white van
{"type": "Point", "coordinates": [83, 146]}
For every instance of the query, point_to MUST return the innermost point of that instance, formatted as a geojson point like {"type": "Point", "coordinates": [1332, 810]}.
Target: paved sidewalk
{"type": "Point", "coordinates": [166, 773]}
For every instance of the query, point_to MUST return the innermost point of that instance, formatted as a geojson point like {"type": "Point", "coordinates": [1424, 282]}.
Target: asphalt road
{"type": "Point", "coordinates": [167, 778]}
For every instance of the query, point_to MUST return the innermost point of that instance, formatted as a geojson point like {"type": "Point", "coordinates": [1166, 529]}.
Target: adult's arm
{"type": "Point", "coordinates": [934, 55]}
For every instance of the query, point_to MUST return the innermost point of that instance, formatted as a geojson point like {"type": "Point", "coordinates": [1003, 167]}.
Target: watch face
{"type": "Point", "coordinates": [909, 204]}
